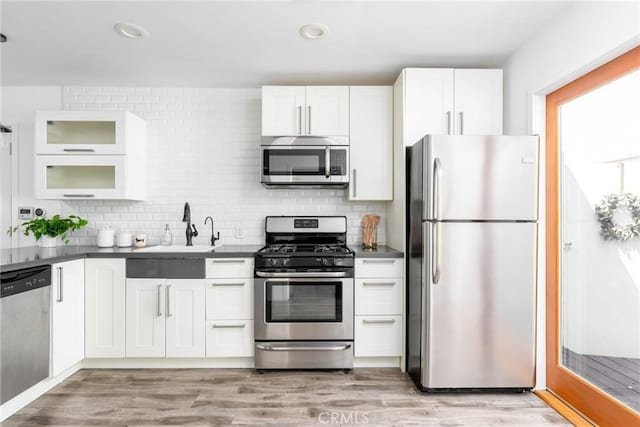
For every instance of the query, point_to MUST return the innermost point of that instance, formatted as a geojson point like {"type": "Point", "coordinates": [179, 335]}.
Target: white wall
{"type": "Point", "coordinates": [586, 35]}
{"type": "Point", "coordinates": [203, 146]}
{"type": "Point", "coordinates": [18, 107]}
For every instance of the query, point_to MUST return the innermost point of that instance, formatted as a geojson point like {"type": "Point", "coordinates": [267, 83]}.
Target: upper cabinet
{"type": "Point", "coordinates": [90, 155]}
{"type": "Point", "coordinates": [371, 143]}
{"type": "Point", "coordinates": [88, 132]}
{"type": "Point", "coordinates": [478, 101]}
{"type": "Point", "coordinates": [305, 110]}
{"type": "Point", "coordinates": [451, 101]}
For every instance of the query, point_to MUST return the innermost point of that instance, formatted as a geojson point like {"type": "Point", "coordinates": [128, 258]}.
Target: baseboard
{"type": "Point", "coordinates": [169, 363]}
{"type": "Point", "coordinates": [376, 362]}
{"type": "Point", "coordinates": [26, 397]}
{"type": "Point", "coordinates": [568, 412]}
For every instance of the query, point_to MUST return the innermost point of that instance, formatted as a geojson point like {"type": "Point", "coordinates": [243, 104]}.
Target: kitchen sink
{"type": "Point", "coordinates": [179, 248]}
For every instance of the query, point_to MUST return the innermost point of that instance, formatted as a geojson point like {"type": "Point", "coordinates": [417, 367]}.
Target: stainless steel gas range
{"type": "Point", "coordinates": [304, 295]}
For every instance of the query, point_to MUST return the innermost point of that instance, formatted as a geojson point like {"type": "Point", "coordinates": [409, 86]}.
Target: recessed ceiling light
{"type": "Point", "coordinates": [313, 31]}
{"type": "Point", "coordinates": [131, 31]}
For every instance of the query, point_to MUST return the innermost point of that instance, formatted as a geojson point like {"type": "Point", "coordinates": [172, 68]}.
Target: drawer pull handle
{"type": "Point", "coordinates": [228, 261]}
{"type": "Point", "coordinates": [218, 326]}
{"type": "Point", "coordinates": [378, 284]}
{"type": "Point", "coordinates": [79, 195]}
{"type": "Point", "coordinates": [228, 284]}
{"type": "Point", "coordinates": [379, 261]}
{"type": "Point", "coordinates": [380, 322]}
{"type": "Point", "coordinates": [79, 150]}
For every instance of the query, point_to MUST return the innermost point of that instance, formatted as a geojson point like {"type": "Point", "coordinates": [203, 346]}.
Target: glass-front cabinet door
{"type": "Point", "coordinates": [86, 177]}
{"type": "Point", "coordinates": [87, 132]}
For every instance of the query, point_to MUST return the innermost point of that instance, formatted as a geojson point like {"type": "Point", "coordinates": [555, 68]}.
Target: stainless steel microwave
{"type": "Point", "coordinates": [305, 161]}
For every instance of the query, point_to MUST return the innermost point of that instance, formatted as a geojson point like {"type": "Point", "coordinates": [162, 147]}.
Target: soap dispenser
{"type": "Point", "coordinates": [168, 236]}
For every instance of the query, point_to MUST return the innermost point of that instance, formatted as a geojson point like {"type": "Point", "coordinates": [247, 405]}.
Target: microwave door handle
{"type": "Point", "coordinates": [327, 161]}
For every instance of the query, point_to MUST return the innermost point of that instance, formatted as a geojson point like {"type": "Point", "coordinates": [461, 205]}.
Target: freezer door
{"type": "Point", "coordinates": [480, 305]}
{"type": "Point", "coordinates": [481, 177]}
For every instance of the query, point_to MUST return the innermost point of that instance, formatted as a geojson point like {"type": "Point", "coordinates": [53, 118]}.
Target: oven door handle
{"type": "Point", "coordinates": [328, 274]}
{"type": "Point", "coordinates": [271, 347]}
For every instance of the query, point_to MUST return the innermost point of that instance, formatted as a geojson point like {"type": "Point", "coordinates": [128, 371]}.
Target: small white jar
{"type": "Point", "coordinates": [124, 240]}
{"type": "Point", "coordinates": [105, 237]}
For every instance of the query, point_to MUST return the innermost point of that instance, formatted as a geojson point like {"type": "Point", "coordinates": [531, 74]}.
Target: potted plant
{"type": "Point", "coordinates": [47, 230]}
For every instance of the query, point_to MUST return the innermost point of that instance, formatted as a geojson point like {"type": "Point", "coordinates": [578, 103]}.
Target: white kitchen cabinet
{"type": "Point", "coordinates": [185, 314]}
{"type": "Point", "coordinates": [305, 110]}
{"type": "Point", "coordinates": [105, 308]}
{"type": "Point", "coordinates": [327, 110]}
{"type": "Point", "coordinates": [229, 268]}
{"type": "Point", "coordinates": [229, 298]}
{"type": "Point", "coordinates": [89, 177]}
{"type": "Point", "coordinates": [428, 102]}
{"type": "Point", "coordinates": [230, 338]}
{"type": "Point", "coordinates": [165, 318]}
{"type": "Point", "coordinates": [371, 143]}
{"type": "Point", "coordinates": [88, 132]}
{"type": "Point", "coordinates": [229, 301]}
{"type": "Point", "coordinates": [478, 101]}
{"type": "Point", "coordinates": [378, 336]}
{"type": "Point", "coordinates": [67, 320]}
{"type": "Point", "coordinates": [145, 318]}
{"type": "Point", "coordinates": [442, 101]}
{"type": "Point", "coordinates": [379, 296]}
{"type": "Point", "coordinates": [283, 110]}
{"type": "Point", "coordinates": [379, 307]}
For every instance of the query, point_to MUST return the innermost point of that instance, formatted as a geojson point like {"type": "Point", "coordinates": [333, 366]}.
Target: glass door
{"type": "Point", "coordinates": [294, 301]}
{"type": "Point", "coordinates": [593, 242]}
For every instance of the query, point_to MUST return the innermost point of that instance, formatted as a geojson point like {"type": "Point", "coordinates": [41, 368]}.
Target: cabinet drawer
{"type": "Point", "coordinates": [228, 268]}
{"type": "Point", "coordinates": [378, 336]}
{"type": "Point", "coordinates": [230, 338]}
{"type": "Point", "coordinates": [230, 299]}
{"type": "Point", "coordinates": [378, 267]}
{"type": "Point", "coordinates": [378, 296]}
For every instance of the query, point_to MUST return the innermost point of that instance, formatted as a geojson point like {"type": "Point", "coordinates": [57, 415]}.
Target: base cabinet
{"type": "Point", "coordinates": [165, 318]}
{"type": "Point", "coordinates": [230, 338]}
{"type": "Point", "coordinates": [378, 327]}
{"type": "Point", "coordinates": [104, 308]}
{"type": "Point", "coordinates": [67, 318]}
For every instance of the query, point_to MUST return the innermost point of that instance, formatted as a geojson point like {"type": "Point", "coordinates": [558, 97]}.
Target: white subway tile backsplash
{"type": "Point", "coordinates": [203, 146]}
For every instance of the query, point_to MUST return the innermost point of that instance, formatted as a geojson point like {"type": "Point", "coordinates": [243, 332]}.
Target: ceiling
{"type": "Point", "coordinates": [247, 44]}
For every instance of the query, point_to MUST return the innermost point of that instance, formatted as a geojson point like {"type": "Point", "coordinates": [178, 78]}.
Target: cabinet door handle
{"type": "Point", "coordinates": [228, 284]}
{"type": "Point", "coordinates": [79, 150]}
{"type": "Point", "coordinates": [84, 196]}
{"type": "Point", "coordinates": [228, 261]}
{"type": "Point", "coordinates": [379, 321]}
{"type": "Point", "coordinates": [222, 326]}
{"type": "Point", "coordinates": [449, 122]}
{"type": "Point", "coordinates": [60, 285]}
{"type": "Point", "coordinates": [461, 114]}
{"type": "Point", "coordinates": [168, 300]}
{"type": "Point", "coordinates": [309, 119]}
{"type": "Point", "coordinates": [299, 119]}
{"type": "Point", "coordinates": [378, 261]}
{"type": "Point", "coordinates": [355, 186]}
{"type": "Point", "coordinates": [378, 283]}
{"type": "Point", "coordinates": [159, 300]}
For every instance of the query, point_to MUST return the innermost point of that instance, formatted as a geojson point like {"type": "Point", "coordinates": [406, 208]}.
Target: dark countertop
{"type": "Point", "coordinates": [12, 259]}
{"type": "Point", "coordinates": [381, 251]}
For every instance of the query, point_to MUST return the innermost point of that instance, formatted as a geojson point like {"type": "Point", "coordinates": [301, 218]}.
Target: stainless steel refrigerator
{"type": "Point", "coordinates": [472, 207]}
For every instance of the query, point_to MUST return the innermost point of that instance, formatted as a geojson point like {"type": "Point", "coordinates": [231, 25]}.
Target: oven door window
{"type": "Point", "coordinates": [303, 302]}
{"type": "Point", "coordinates": [294, 162]}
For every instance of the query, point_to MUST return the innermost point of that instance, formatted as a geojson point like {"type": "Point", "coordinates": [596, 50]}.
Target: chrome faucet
{"type": "Point", "coordinates": [191, 231]}
{"type": "Point", "coordinates": [213, 238]}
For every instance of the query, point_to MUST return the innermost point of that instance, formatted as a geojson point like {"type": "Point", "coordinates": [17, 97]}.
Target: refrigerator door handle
{"type": "Point", "coordinates": [435, 203]}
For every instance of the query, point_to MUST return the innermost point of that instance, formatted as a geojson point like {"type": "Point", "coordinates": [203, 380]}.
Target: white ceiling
{"type": "Point", "coordinates": [244, 44]}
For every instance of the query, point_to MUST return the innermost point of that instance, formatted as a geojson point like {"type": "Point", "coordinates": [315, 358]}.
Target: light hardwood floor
{"type": "Point", "coordinates": [372, 397]}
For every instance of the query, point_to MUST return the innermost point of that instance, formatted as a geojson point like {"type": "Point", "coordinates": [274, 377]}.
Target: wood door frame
{"type": "Point", "coordinates": [586, 398]}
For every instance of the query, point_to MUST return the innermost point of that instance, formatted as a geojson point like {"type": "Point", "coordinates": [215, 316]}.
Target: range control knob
{"type": "Point", "coordinates": [273, 261]}
{"type": "Point", "coordinates": [327, 262]}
